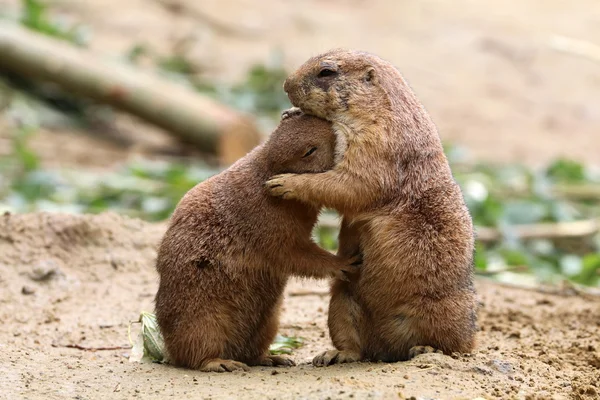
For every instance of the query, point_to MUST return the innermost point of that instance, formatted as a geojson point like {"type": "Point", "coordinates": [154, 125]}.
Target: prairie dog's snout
{"type": "Point", "coordinates": [287, 85]}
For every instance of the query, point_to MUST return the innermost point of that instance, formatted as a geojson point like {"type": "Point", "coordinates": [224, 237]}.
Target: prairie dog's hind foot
{"type": "Point", "coordinates": [220, 365]}
{"type": "Point", "coordinates": [290, 112]}
{"type": "Point", "coordinates": [417, 350]}
{"type": "Point", "coordinates": [336, 357]}
{"type": "Point", "coordinates": [275, 361]}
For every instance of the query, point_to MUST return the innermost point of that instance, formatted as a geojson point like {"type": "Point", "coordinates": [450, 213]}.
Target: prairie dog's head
{"type": "Point", "coordinates": [301, 144]}
{"type": "Point", "coordinates": [340, 83]}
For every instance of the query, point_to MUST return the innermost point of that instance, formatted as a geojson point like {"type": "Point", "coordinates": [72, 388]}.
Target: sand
{"type": "Point", "coordinates": [79, 279]}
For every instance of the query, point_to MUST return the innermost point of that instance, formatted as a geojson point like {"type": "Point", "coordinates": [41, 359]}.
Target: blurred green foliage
{"type": "Point", "coordinates": [500, 197]}
{"type": "Point", "coordinates": [148, 190]}
{"type": "Point", "coordinates": [36, 17]}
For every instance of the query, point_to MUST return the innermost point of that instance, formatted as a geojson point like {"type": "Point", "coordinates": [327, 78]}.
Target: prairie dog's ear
{"type": "Point", "coordinates": [370, 76]}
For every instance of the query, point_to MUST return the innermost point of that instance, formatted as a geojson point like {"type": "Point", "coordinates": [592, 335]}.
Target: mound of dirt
{"type": "Point", "coordinates": [78, 280]}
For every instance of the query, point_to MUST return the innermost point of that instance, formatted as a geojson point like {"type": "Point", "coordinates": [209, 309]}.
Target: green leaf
{"type": "Point", "coordinates": [590, 272]}
{"type": "Point", "coordinates": [480, 258]}
{"type": "Point", "coordinates": [564, 170]}
{"type": "Point", "coordinates": [327, 238]}
{"type": "Point", "coordinates": [35, 17]}
{"type": "Point", "coordinates": [285, 344]}
{"type": "Point", "coordinates": [514, 257]}
{"type": "Point", "coordinates": [149, 339]}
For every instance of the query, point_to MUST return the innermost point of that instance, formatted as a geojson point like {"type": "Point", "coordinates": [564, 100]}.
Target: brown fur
{"type": "Point", "coordinates": [402, 209]}
{"type": "Point", "coordinates": [230, 247]}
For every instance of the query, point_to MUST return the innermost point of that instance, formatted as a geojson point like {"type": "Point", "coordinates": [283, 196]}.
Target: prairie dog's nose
{"type": "Point", "coordinates": [287, 85]}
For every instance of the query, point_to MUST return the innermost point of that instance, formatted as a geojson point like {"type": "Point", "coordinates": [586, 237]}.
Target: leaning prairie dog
{"type": "Point", "coordinates": [230, 248]}
{"type": "Point", "coordinates": [402, 210]}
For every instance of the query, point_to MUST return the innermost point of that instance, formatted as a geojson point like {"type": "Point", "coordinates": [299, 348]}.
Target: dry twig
{"type": "Point", "coordinates": [85, 348]}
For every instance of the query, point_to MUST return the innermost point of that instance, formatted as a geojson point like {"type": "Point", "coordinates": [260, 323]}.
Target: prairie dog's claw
{"type": "Point", "coordinates": [277, 187]}
{"type": "Point", "coordinates": [335, 357]}
{"type": "Point", "coordinates": [290, 112]}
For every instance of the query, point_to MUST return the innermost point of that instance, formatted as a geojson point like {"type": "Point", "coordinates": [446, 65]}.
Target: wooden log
{"type": "Point", "coordinates": [193, 118]}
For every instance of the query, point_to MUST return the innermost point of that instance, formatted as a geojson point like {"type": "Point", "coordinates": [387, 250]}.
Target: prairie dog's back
{"type": "Point", "coordinates": [232, 212]}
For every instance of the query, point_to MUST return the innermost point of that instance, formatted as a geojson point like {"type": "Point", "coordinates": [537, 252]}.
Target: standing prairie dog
{"type": "Point", "coordinates": [230, 248]}
{"type": "Point", "coordinates": [402, 210]}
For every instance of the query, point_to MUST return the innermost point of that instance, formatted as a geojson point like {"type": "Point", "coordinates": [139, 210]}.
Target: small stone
{"type": "Point", "coordinates": [27, 290]}
{"type": "Point", "coordinates": [503, 367]}
{"type": "Point", "coordinates": [482, 370]}
{"type": "Point", "coordinates": [44, 271]}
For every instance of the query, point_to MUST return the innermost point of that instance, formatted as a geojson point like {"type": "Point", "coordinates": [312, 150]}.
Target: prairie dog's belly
{"type": "Point", "coordinates": [341, 142]}
{"type": "Point", "coordinates": [254, 303]}
{"type": "Point", "coordinates": [380, 282]}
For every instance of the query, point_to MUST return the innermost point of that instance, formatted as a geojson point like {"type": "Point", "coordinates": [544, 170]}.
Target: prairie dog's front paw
{"type": "Point", "coordinates": [354, 264]}
{"type": "Point", "coordinates": [290, 112]}
{"type": "Point", "coordinates": [280, 186]}
{"type": "Point", "coordinates": [350, 268]}
{"type": "Point", "coordinates": [355, 261]}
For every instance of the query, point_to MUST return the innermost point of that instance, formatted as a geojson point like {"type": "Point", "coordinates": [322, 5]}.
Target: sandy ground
{"type": "Point", "coordinates": [485, 70]}
{"type": "Point", "coordinates": [79, 280]}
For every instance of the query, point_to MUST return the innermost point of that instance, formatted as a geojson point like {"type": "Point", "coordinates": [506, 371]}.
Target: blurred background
{"type": "Point", "coordinates": [125, 105]}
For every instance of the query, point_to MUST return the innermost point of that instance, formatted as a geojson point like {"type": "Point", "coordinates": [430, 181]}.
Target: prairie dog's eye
{"type": "Point", "coordinates": [325, 72]}
{"type": "Point", "coordinates": [308, 153]}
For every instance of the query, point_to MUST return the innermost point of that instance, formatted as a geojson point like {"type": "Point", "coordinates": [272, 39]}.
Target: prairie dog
{"type": "Point", "coordinates": [402, 209]}
{"type": "Point", "coordinates": [230, 247]}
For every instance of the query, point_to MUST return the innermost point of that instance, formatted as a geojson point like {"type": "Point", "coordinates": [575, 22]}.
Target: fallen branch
{"type": "Point", "coordinates": [422, 369]}
{"type": "Point", "coordinates": [308, 293]}
{"type": "Point", "coordinates": [566, 289]}
{"type": "Point", "coordinates": [85, 348]}
{"type": "Point", "coordinates": [579, 192]}
{"type": "Point", "coordinates": [557, 230]}
{"type": "Point", "coordinates": [580, 48]}
{"type": "Point", "coordinates": [195, 119]}
{"type": "Point", "coordinates": [573, 229]}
